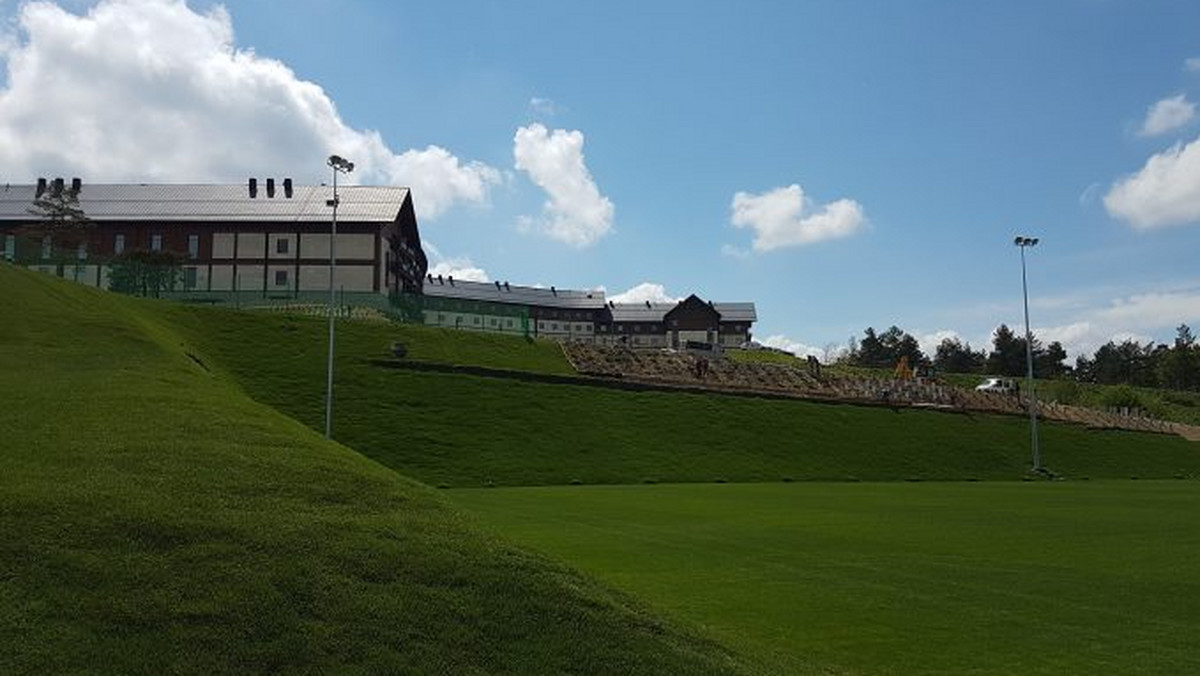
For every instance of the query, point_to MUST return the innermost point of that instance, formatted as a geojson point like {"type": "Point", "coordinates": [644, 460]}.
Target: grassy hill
{"type": "Point", "coordinates": [467, 430]}
{"type": "Point", "coordinates": [155, 519]}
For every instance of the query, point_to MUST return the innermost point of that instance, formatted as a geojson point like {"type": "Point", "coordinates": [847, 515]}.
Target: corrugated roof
{"type": "Point", "coordinates": [737, 312]}
{"type": "Point", "coordinates": [640, 312]}
{"type": "Point", "coordinates": [514, 294]}
{"type": "Point", "coordinates": [654, 312]}
{"type": "Point", "coordinates": [197, 202]}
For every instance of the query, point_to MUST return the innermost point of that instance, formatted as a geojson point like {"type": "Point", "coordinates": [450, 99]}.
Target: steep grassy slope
{"type": "Point", "coordinates": [154, 519]}
{"type": "Point", "coordinates": [463, 430]}
{"type": "Point", "coordinates": [951, 578]}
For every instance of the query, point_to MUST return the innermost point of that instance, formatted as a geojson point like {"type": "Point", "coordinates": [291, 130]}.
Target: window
{"type": "Point", "coordinates": [189, 278]}
{"type": "Point", "coordinates": [119, 245]}
{"type": "Point", "coordinates": [477, 320]}
{"type": "Point", "coordinates": [281, 278]}
{"type": "Point", "coordinates": [47, 246]}
{"type": "Point", "coordinates": [193, 246]}
{"type": "Point", "coordinates": [508, 323]}
{"type": "Point", "coordinates": [281, 245]}
{"type": "Point", "coordinates": [156, 242]}
{"type": "Point", "coordinates": [10, 246]}
{"type": "Point", "coordinates": [81, 251]}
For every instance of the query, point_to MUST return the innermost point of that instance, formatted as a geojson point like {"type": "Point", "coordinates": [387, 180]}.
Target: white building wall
{"type": "Point", "coordinates": [222, 245]}
{"type": "Point", "coordinates": [251, 245]}
{"type": "Point", "coordinates": [348, 278]}
{"type": "Point", "coordinates": [350, 246]}
{"type": "Point", "coordinates": [289, 245]}
{"type": "Point", "coordinates": [222, 278]}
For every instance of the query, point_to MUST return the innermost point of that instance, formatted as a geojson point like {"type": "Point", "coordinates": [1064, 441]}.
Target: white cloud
{"type": "Point", "coordinates": [646, 291]}
{"type": "Point", "coordinates": [1168, 115]}
{"type": "Point", "coordinates": [150, 90]}
{"type": "Point", "coordinates": [784, 217]}
{"type": "Point", "coordinates": [1138, 316]}
{"type": "Point", "coordinates": [1166, 191]}
{"type": "Point", "coordinates": [1192, 64]}
{"type": "Point", "coordinates": [781, 342]}
{"type": "Point", "coordinates": [576, 213]}
{"type": "Point", "coordinates": [460, 268]}
{"type": "Point", "coordinates": [542, 107]}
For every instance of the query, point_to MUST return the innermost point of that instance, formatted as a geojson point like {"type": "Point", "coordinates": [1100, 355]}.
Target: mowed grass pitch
{"type": "Point", "coordinates": [949, 578]}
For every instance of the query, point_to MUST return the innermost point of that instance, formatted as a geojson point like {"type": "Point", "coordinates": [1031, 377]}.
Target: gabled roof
{"type": "Point", "coordinates": [224, 202]}
{"type": "Point", "coordinates": [513, 294]}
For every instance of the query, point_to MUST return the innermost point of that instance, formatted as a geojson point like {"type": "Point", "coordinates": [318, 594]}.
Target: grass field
{"type": "Point", "coordinates": [156, 520]}
{"type": "Point", "coordinates": [952, 578]}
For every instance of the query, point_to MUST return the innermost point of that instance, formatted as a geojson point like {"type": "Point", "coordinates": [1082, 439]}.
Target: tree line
{"type": "Point", "coordinates": [1174, 366]}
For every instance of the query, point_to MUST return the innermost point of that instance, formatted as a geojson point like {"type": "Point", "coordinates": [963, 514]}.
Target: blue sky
{"type": "Point", "coordinates": [923, 136]}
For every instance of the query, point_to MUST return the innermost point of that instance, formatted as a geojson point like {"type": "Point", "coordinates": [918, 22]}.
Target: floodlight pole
{"type": "Point", "coordinates": [339, 166]}
{"type": "Point", "coordinates": [1022, 243]}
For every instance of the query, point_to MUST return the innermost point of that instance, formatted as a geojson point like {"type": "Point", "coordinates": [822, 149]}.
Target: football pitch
{"type": "Point", "coordinates": [934, 578]}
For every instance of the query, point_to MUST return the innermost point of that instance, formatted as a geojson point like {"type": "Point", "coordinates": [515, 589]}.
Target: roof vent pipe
{"type": "Point", "coordinates": [270, 187]}
{"type": "Point", "coordinates": [41, 188]}
{"type": "Point", "coordinates": [287, 188]}
{"type": "Point", "coordinates": [57, 189]}
{"type": "Point", "coordinates": [76, 185]}
{"type": "Point", "coordinates": [451, 278]}
{"type": "Point", "coordinates": [253, 185]}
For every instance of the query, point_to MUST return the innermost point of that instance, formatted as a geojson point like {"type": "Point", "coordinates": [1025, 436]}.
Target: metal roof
{"type": "Point", "coordinates": [513, 294]}
{"type": "Point", "coordinates": [640, 312]}
{"type": "Point", "coordinates": [206, 202]}
{"type": "Point", "coordinates": [654, 312]}
{"type": "Point", "coordinates": [737, 312]}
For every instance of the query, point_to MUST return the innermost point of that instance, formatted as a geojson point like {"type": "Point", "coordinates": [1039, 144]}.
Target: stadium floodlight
{"type": "Point", "coordinates": [340, 166]}
{"type": "Point", "coordinates": [1022, 243]}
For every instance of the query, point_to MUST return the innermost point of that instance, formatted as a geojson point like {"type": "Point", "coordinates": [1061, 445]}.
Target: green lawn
{"type": "Point", "coordinates": [463, 430]}
{"type": "Point", "coordinates": [952, 578]}
{"type": "Point", "coordinates": [154, 519]}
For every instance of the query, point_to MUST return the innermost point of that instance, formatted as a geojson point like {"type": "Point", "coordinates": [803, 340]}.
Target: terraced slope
{"type": "Point", "coordinates": [154, 519]}
{"type": "Point", "coordinates": [466, 430]}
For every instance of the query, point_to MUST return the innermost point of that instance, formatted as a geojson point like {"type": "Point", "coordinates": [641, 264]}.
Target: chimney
{"type": "Point", "coordinates": [76, 185]}
{"type": "Point", "coordinates": [270, 187]}
{"type": "Point", "coordinates": [647, 304]}
{"type": "Point", "coordinates": [451, 278]}
{"type": "Point", "coordinates": [441, 281]}
{"type": "Point", "coordinates": [430, 276]}
{"type": "Point", "coordinates": [287, 188]}
{"type": "Point", "coordinates": [253, 188]}
{"type": "Point", "coordinates": [41, 188]}
{"type": "Point", "coordinates": [506, 286]}
{"type": "Point", "coordinates": [553, 290]}
{"type": "Point", "coordinates": [57, 189]}
{"type": "Point", "coordinates": [497, 283]}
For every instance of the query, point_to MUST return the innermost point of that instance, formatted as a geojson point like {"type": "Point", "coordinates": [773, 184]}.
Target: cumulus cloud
{"type": "Point", "coordinates": [785, 217]}
{"type": "Point", "coordinates": [1139, 316]}
{"type": "Point", "coordinates": [460, 268]}
{"type": "Point", "coordinates": [1166, 191]}
{"type": "Point", "coordinates": [575, 213]}
{"type": "Point", "coordinates": [646, 291]}
{"type": "Point", "coordinates": [781, 342]}
{"type": "Point", "coordinates": [1168, 115]}
{"type": "Point", "coordinates": [151, 90]}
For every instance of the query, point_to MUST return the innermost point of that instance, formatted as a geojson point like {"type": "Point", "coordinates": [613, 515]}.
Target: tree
{"type": "Point", "coordinates": [1179, 367]}
{"type": "Point", "coordinates": [953, 356]}
{"type": "Point", "coordinates": [61, 223]}
{"type": "Point", "coordinates": [886, 349]}
{"type": "Point", "coordinates": [1049, 362]}
{"type": "Point", "coordinates": [144, 273]}
{"type": "Point", "coordinates": [1008, 353]}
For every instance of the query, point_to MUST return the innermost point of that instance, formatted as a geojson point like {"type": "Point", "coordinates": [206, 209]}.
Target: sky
{"type": "Point", "coordinates": [841, 163]}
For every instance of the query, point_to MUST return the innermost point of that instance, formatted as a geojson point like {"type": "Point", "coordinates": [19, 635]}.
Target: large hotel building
{"type": "Point", "coordinates": [269, 241]}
